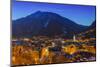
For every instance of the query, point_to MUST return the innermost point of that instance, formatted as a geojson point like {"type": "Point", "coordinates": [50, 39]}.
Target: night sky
{"type": "Point", "coordinates": [84, 15]}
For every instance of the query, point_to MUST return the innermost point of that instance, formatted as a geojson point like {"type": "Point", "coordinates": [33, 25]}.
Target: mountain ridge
{"type": "Point", "coordinates": [45, 23]}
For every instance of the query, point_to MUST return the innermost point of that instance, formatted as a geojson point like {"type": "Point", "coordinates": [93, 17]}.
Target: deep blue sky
{"type": "Point", "coordinates": [84, 15]}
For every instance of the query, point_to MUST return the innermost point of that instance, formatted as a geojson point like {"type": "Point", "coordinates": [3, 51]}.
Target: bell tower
{"type": "Point", "coordinates": [74, 38]}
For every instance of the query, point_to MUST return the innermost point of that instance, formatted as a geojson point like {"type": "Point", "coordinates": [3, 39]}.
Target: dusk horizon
{"type": "Point", "coordinates": [83, 15]}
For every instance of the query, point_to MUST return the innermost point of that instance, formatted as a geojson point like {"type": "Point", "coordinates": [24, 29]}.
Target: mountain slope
{"type": "Point", "coordinates": [44, 23]}
{"type": "Point", "coordinates": [89, 32]}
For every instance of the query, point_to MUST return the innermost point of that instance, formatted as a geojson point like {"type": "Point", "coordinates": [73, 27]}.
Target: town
{"type": "Point", "coordinates": [50, 50]}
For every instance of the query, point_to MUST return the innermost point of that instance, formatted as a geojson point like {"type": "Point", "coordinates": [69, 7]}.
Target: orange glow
{"type": "Point", "coordinates": [71, 49]}
{"type": "Point", "coordinates": [45, 52]}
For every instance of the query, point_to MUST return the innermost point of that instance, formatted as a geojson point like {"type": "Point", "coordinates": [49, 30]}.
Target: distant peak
{"type": "Point", "coordinates": [38, 12]}
{"type": "Point", "coordinates": [44, 12]}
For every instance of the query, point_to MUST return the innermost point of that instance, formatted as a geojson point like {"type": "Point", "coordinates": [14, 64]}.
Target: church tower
{"type": "Point", "coordinates": [74, 38]}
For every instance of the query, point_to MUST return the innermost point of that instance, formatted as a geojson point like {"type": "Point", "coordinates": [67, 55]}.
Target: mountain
{"type": "Point", "coordinates": [44, 23]}
{"type": "Point", "coordinates": [89, 32]}
{"type": "Point", "coordinates": [92, 26]}
{"type": "Point", "coordinates": [92, 30]}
